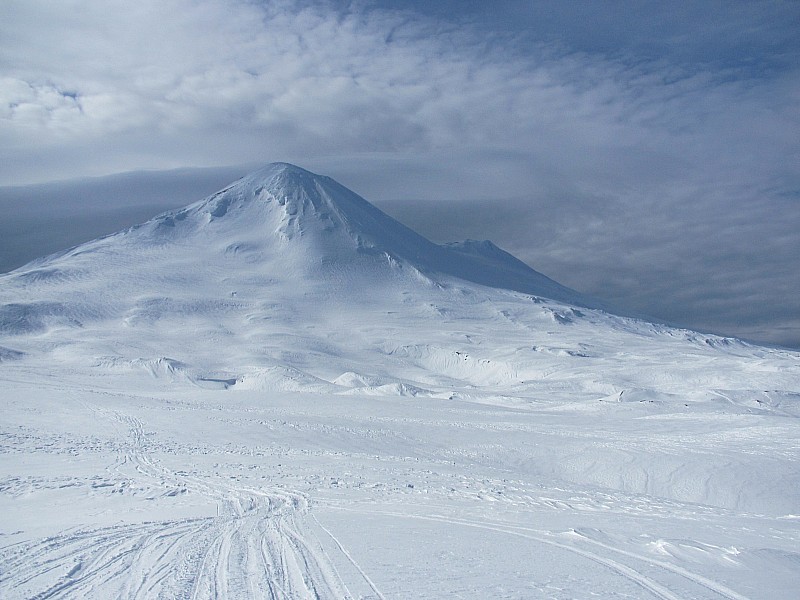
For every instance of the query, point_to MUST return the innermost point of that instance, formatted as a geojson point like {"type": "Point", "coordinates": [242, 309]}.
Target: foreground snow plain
{"type": "Point", "coordinates": [332, 407]}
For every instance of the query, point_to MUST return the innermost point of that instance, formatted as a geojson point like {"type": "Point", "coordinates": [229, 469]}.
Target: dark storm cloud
{"type": "Point", "coordinates": [644, 152]}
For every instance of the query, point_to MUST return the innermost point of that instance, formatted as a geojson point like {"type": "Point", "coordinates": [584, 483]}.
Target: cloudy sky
{"type": "Point", "coordinates": [644, 152]}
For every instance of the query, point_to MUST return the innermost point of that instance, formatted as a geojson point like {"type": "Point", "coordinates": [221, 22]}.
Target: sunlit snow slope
{"type": "Point", "coordinates": [281, 392]}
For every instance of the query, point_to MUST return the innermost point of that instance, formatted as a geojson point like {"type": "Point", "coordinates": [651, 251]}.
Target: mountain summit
{"type": "Point", "coordinates": [285, 209]}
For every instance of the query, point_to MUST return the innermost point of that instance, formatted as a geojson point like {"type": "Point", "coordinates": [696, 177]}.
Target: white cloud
{"type": "Point", "coordinates": [249, 81]}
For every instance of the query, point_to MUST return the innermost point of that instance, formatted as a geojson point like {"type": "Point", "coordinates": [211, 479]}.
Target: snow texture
{"type": "Point", "coordinates": [281, 392]}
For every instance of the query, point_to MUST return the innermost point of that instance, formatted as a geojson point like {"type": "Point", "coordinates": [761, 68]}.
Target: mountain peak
{"type": "Point", "coordinates": [336, 226]}
{"type": "Point", "coordinates": [282, 167]}
{"type": "Point", "coordinates": [281, 182]}
{"type": "Point", "coordinates": [281, 173]}
{"type": "Point", "coordinates": [289, 222]}
{"type": "Point", "coordinates": [294, 203]}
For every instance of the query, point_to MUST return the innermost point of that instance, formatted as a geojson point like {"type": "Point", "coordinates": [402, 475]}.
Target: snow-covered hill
{"type": "Point", "coordinates": [280, 391]}
{"type": "Point", "coordinates": [278, 225]}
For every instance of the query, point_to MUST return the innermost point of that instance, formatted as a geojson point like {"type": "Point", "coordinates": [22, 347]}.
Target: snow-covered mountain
{"type": "Point", "coordinates": [221, 398]}
{"type": "Point", "coordinates": [281, 223]}
{"type": "Point", "coordinates": [278, 248]}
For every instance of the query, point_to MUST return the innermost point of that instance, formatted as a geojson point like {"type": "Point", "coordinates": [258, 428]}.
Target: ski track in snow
{"type": "Point", "coordinates": [351, 559]}
{"type": "Point", "coordinates": [261, 545]}
{"type": "Point", "coordinates": [258, 547]}
{"type": "Point", "coordinates": [636, 572]}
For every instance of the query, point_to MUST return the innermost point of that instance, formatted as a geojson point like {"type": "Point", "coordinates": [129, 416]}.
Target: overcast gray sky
{"type": "Point", "coordinates": [644, 152]}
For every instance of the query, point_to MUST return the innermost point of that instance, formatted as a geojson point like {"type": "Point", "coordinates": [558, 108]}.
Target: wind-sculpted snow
{"type": "Point", "coordinates": [280, 392]}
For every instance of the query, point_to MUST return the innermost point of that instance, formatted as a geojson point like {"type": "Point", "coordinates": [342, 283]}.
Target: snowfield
{"type": "Point", "coordinates": [281, 392]}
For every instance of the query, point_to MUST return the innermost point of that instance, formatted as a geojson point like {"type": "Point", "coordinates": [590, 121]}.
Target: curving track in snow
{"type": "Point", "coordinates": [660, 579]}
{"type": "Point", "coordinates": [258, 546]}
